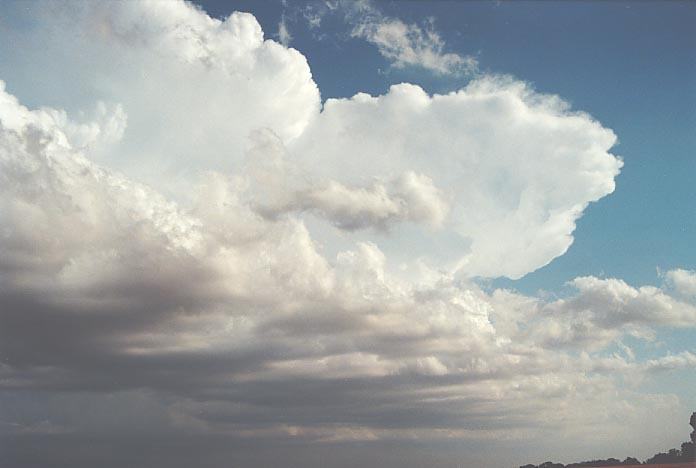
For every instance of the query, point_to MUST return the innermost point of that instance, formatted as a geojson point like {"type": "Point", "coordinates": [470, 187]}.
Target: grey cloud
{"type": "Point", "coordinates": [605, 309]}
{"type": "Point", "coordinates": [409, 197]}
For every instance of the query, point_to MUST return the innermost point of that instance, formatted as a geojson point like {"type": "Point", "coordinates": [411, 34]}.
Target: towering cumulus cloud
{"type": "Point", "coordinates": [210, 252]}
{"type": "Point", "coordinates": [193, 87]}
{"type": "Point", "coordinates": [516, 168]}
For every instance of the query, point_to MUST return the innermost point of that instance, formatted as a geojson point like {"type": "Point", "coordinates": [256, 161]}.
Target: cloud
{"type": "Point", "coordinates": [409, 197]}
{"type": "Point", "coordinates": [145, 58]}
{"type": "Point", "coordinates": [605, 309]}
{"type": "Point", "coordinates": [238, 316]}
{"type": "Point", "coordinates": [279, 185]}
{"type": "Point", "coordinates": [291, 287]}
{"type": "Point", "coordinates": [402, 44]}
{"type": "Point", "coordinates": [410, 45]}
{"type": "Point", "coordinates": [517, 168]}
{"type": "Point", "coordinates": [284, 35]}
{"type": "Point", "coordinates": [683, 281]}
{"type": "Point", "coordinates": [681, 360]}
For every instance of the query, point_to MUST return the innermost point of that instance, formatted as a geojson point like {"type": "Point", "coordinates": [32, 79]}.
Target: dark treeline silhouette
{"type": "Point", "coordinates": [607, 462]}
{"type": "Point", "coordinates": [685, 455]}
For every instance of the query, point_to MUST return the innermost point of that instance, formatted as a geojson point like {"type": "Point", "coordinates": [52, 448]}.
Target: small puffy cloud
{"type": "Point", "coordinates": [684, 359]}
{"type": "Point", "coordinates": [605, 309]}
{"type": "Point", "coordinates": [683, 281]}
{"type": "Point", "coordinates": [615, 303]}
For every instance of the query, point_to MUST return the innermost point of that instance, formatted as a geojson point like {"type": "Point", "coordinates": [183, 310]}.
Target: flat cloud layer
{"type": "Point", "coordinates": [212, 255]}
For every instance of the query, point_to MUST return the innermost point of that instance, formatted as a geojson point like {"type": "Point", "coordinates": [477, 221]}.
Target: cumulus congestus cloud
{"type": "Point", "coordinates": [214, 246]}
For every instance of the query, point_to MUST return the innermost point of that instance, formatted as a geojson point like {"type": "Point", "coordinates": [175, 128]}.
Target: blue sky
{"type": "Point", "coordinates": [308, 233]}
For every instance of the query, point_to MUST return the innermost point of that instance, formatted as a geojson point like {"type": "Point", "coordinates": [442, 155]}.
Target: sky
{"type": "Point", "coordinates": [321, 234]}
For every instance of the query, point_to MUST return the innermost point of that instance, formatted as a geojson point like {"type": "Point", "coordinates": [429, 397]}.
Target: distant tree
{"type": "Point", "coordinates": [631, 461]}
{"type": "Point", "coordinates": [688, 451]}
{"type": "Point", "coordinates": [549, 464]}
{"type": "Point", "coordinates": [597, 463]}
{"type": "Point", "coordinates": [673, 456]}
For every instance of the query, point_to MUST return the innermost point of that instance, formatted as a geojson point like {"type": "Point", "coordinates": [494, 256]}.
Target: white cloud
{"type": "Point", "coordinates": [500, 171]}
{"type": "Point", "coordinates": [682, 360]}
{"type": "Point", "coordinates": [516, 167]}
{"type": "Point", "coordinates": [303, 325]}
{"type": "Point", "coordinates": [283, 32]}
{"type": "Point", "coordinates": [410, 45]}
{"type": "Point", "coordinates": [605, 309]}
{"type": "Point", "coordinates": [193, 87]}
{"type": "Point", "coordinates": [683, 281]}
{"type": "Point", "coordinates": [402, 44]}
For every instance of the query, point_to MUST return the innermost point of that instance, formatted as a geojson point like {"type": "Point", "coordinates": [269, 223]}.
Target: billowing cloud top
{"type": "Point", "coordinates": [211, 233]}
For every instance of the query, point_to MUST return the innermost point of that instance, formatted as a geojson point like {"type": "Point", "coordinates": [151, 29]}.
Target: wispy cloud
{"type": "Point", "coordinates": [401, 44]}
{"type": "Point", "coordinates": [412, 45]}
{"type": "Point", "coordinates": [284, 35]}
